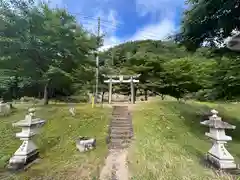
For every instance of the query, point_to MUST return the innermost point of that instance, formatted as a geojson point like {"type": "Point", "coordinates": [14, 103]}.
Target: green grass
{"type": "Point", "coordinates": [170, 143]}
{"type": "Point", "coordinates": [57, 143]}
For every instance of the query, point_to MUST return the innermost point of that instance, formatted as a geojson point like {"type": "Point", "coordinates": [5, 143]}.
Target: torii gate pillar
{"type": "Point", "coordinates": [132, 92]}
{"type": "Point", "coordinates": [110, 91]}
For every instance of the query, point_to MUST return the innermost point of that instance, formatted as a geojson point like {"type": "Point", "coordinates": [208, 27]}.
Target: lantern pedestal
{"type": "Point", "coordinates": [28, 151]}
{"type": "Point", "coordinates": [219, 156]}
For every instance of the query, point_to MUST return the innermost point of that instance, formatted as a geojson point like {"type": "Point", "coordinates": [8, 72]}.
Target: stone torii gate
{"type": "Point", "coordinates": [121, 79]}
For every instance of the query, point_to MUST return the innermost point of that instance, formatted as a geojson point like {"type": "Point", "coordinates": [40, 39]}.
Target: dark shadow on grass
{"type": "Point", "coordinates": [195, 113]}
{"type": "Point", "coordinates": [192, 116]}
{"type": "Point", "coordinates": [48, 143]}
{"type": "Point", "coordinates": [192, 150]}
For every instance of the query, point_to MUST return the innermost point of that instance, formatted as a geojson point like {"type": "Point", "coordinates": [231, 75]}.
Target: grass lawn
{"type": "Point", "coordinates": [170, 143]}
{"type": "Point", "coordinates": [60, 159]}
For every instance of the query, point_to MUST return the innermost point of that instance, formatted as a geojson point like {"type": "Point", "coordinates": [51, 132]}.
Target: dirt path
{"type": "Point", "coordinates": [120, 134]}
{"type": "Point", "coordinates": [115, 166]}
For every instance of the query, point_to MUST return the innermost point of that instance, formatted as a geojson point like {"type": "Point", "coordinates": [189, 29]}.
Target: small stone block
{"type": "Point", "coordinates": [85, 144]}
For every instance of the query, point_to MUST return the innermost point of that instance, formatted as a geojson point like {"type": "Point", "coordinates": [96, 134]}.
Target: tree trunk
{"type": "Point", "coordinates": [39, 95]}
{"type": "Point", "coordinates": [162, 96]}
{"type": "Point", "coordinates": [135, 95]}
{"type": "Point", "coordinates": [178, 99]}
{"type": "Point", "coordinates": [146, 94]}
{"type": "Point", "coordinates": [102, 99]}
{"type": "Point", "coordinates": [45, 97]}
{"type": "Point", "coordinates": [10, 105]}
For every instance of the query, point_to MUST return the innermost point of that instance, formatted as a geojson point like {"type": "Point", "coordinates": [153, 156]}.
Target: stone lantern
{"type": "Point", "coordinates": [234, 42]}
{"type": "Point", "coordinates": [4, 108]}
{"type": "Point", "coordinates": [218, 155]}
{"type": "Point", "coordinates": [28, 151]}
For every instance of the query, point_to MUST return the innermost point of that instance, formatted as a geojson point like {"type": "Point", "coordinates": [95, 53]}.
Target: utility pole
{"type": "Point", "coordinates": [97, 61]}
{"type": "Point", "coordinates": [113, 57]}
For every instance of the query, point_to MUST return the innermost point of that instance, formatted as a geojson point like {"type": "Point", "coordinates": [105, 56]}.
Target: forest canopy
{"type": "Point", "coordinates": [45, 52]}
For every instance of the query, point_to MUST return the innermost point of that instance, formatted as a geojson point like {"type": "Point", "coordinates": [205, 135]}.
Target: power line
{"type": "Point", "coordinates": [93, 17]}
{"type": "Point", "coordinates": [105, 25]}
{"type": "Point", "coordinates": [91, 23]}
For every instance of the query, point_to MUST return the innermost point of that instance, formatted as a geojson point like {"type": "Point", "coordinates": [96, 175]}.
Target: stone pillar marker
{"type": "Point", "coordinates": [218, 154]}
{"type": "Point", "coordinates": [4, 108]}
{"type": "Point", "coordinates": [132, 91]}
{"type": "Point", "coordinates": [28, 151]}
{"type": "Point", "coordinates": [1, 106]}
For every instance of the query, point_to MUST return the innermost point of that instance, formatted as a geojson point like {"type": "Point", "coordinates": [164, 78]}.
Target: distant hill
{"type": "Point", "coordinates": [117, 55]}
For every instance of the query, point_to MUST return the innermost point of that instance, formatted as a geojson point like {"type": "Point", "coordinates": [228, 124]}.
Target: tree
{"type": "Point", "coordinates": [145, 58]}
{"type": "Point", "coordinates": [208, 21]}
{"type": "Point", "coordinates": [48, 46]}
{"type": "Point", "coordinates": [179, 77]}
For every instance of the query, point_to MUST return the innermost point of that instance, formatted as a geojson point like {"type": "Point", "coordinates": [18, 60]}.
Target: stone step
{"type": "Point", "coordinates": [121, 118]}
{"type": "Point", "coordinates": [121, 129]}
{"type": "Point", "coordinates": [118, 132]}
{"type": "Point", "coordinates": [121, 136]}
{"type": "Point", "coordinates": [116, 124]}
{"type": "Point", "coordinates": [120, 141]}
{"type": "Point", "coordinates": [120, 125]}
{"type": "Point", "coordinates": [120, 108]}
{"type": "Point", "coordinates": [121, 112]}
{"type": "Point", "coordinates": [118, 146]}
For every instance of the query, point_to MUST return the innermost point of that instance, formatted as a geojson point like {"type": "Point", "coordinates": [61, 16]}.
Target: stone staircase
{"type": "Point", "coordinates": [121, 130]}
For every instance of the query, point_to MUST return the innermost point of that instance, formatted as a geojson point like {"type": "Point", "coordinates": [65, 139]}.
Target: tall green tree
{"type": "Point", "coordinates": [208, 21]}
{"type": "Point", "coordinates": [48, 43]}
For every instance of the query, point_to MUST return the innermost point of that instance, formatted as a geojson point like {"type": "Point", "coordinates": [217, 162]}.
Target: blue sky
{"type": "Point", "coordinates": [124, 20]}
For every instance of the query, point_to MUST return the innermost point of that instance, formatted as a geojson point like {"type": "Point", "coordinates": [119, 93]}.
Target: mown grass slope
{"type": "Point", "coordinates": [57, 143]}
{"type": "Point", "coordinates": [170, 143]}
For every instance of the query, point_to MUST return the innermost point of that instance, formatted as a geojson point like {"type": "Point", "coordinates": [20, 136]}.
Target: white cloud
{"type": "Point", "coordinates": [108, 24]}
{"type": "Point", "coordinates": [89, 18]}
{"type": "Point", "coordinates": [163, 11]}
{"type": "Point", "coordinates": [156, 31]}
{"type": "Point", "coordinates": [110, 42]}
{"type": "Point", "coordinates": [110, 39]}
{"type": "Point", "coordinates": [160, 8]}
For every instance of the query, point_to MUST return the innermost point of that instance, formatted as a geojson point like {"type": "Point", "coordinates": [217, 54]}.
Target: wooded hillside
{"type": "Point", "coordinates": [45, 53]}
{"type": "Point", "coordinates": [169, 69]}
